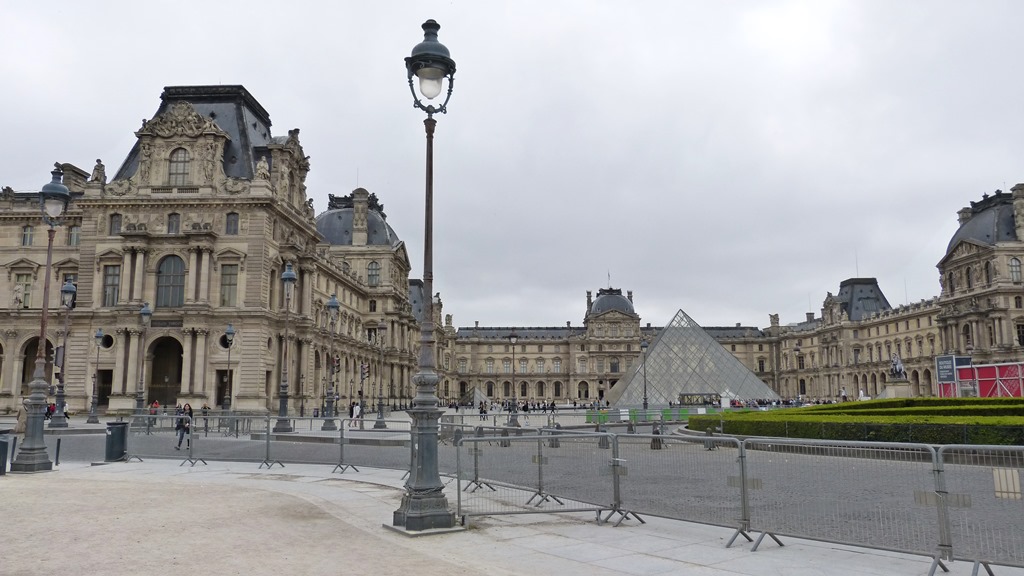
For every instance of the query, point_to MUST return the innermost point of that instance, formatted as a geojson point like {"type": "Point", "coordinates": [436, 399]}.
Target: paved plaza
{"type": "Point", "coordinates": [158, 517]}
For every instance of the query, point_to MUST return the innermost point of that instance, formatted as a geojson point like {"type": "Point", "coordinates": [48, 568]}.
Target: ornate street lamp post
{"type": "Point", "coordinates": [382, 329]}
{"type": "Point", "coordinates": [145, 316]}
{"type": "Point", "coordinates": [53, 200]}
{"type": "Point", "coordinates": [643, 348]}
{"type": "Point", "coordinates": [513, 412]}
{"type": "Point", "coordinates": [93, 418]}
{"type": "Point", "coordinates": [67, 298]}
{"type": "Point", "coordinates": [229, 378]}
{"type": "Point", "coordinates": [424, 505]}
{"type": "Point", "coordinates": [332, 319]}
{"type": "Point", "coordinates": [288, 278]}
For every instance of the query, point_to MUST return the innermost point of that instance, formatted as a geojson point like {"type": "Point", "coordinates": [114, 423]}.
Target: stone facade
{"type": "Point", "coordinates": [209, 207]}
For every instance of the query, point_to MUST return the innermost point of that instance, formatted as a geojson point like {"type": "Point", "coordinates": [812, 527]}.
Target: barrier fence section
{"type": "Point", "coordinates": [363, 445]}
{"type": "Point", "coordinates": [684, 478]}
{"type": "Point", "coordinates": [861, 493]}
{"type": "Point", "coordinates": [984, 504]}
{"type": "Point", "coordinates": [532, 473]}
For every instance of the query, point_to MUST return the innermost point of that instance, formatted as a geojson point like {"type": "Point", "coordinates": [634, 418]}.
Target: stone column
{"type": "Point", "coordinates": [186, 360]}
{"type": "Point", "coordinates": [140, 273]}
{"type": "Point", "coordinates": [204, 278]}
{"type": "Point", "coordinates": [200, 378]}
{"type": "Point", "coordinates": [190, 275]}
{"type": "Point", "coordinates": [126, 266]}
{"type": "Point", "coordinates": [119, 350]}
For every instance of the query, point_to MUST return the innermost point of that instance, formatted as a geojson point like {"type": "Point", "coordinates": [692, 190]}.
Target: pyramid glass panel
{"type": "Point", "coordinates": [685, 365]}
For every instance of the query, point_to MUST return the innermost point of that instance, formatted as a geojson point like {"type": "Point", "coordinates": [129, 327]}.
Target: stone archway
{"type": "Point", "coordinates": [583, 390]}
{"type": "Point", "coordinates": [28, 364]}
{"type": "Point", "coordinates": [165, 375]}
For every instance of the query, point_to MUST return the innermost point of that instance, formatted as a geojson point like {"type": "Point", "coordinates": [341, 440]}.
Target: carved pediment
{"type": "Point", "coordinates": [22, 264]}
{"type": "Point", "coordinates": [181, 120]}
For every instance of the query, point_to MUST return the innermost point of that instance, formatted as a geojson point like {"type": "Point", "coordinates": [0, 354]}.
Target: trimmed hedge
{"type": "Point", "coordinates": [919, 420]}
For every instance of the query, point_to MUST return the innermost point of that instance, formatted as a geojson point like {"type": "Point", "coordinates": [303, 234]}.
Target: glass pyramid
{"type": "Point", "coordinates": [686, 365]}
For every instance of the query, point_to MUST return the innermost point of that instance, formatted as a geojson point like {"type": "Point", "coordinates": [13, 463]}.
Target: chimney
{"type": "Point", "coordinates": [590, 300]}
{"type": "Point", "coordinates": [737, 324]}
{"type": "Point", "coordinates": [629, 295]}
{"type": "Point", "coordinates": [810, 316]}
{"type": "Point", "coordinates": [359, 208]}
{"type": "Point", "coordinates": [476, 324]}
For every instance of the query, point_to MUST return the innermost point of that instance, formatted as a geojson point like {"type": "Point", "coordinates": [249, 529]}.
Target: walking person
{"type": "Point", "coordinates": [184, 427]}
{"type": "Point", "coordinates": [357, 413]}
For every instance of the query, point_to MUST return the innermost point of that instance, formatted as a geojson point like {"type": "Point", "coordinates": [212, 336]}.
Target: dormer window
{"type": "Point", "coordinates": [177, 169]}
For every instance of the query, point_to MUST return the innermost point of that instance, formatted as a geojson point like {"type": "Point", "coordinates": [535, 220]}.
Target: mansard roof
{"type": "Point", "coordinates": [233, 110]}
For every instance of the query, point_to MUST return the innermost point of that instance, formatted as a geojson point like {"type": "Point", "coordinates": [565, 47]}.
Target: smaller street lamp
{"type": "Point", "coordinates": [288, 278]}
{"type": "Point", "coordinates": [513, 414]}
{"type": "Point", "coordinates": [643, 348]}
{"type": "Point", "coordinates": [93, 418]}
{"type": "Point", "coordinates": [229, 380]}
{"type": "Point", "coordinates": [67, 299]}
{"type": "Point", "coordinates": [332, 319]}
{"type": "Point", "coordinates": [145, 316]}
{"type": "Point", "coordinates": [382, 330]}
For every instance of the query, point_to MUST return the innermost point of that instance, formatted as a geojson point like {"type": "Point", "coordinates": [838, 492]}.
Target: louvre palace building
{"type": "Point", "coordinates": [209, 209]}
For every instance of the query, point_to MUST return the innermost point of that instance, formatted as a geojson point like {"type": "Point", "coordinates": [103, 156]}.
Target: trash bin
{"type": "Point", "coordinates": [117, 441]}
{"type": "Point", "coordinates": [5, 447]}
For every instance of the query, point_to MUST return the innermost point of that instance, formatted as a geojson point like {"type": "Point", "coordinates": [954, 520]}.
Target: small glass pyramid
{"type": "Point", "coordinates": [686, 365]}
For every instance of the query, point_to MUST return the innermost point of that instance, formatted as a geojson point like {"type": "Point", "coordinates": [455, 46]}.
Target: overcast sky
{"type": "Point", "coordinates": [731, 159]}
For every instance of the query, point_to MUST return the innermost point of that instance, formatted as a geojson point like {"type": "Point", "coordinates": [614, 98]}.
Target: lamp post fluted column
{"type": "Point", "coordinates": [332, 311]}
{"type": "Point", "coordinates": [32, 457]}
{"type": "Point", "coordinates": [93, 418]}
{"type": "Point", "coordinates": [513, 410]}
{"type": "Point", "coordinates": [643, 349]}
{"type": "Point", "coordinates": [424, 505]}
{"type": "Point", "coordinates": [382, 329]}
{"type": "Point", "coordinates": [145, 316]}
{"type": "Point", "coordinates": [283, 424]}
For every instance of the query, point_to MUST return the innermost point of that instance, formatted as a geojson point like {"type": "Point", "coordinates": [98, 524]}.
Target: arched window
{"type": "Point", "coordinates": [170, 282]}
{"type": "Point", "coordinates": [373, 273]}
{"type": "Point", "coordinates": [988, 273]}
{"type": "Point", "coordinates": [967, 335]}
{"type": "Point", "coordinates": [173, 223]}
{"type": "Point", "coordinates": [950, 284]}
{"type": "Point", "coordinates": [177, 168]}
{"type": "Point", "coordinates": [231, 224]}
{"type": "Point", "coordinates": [558, 389]}
{"type": "Point", "coordinates": [540, 389]}
{"type": "Point", "coordinates": [522, 390]}
{"type": "Point", "coordinates": [1014, 270]}
{"type": "Point", "coordinates": [970, 278]}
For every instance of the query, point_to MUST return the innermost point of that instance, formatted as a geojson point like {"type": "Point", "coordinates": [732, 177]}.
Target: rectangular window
{"type": "Point", "coordinates": [231, 224]}
{"type": "Point", "coordinates": [800, 362]}
{"type": "Point", "coordinates": [111, 284]}
{"type": "Point", "coordinates": [522, 366]}
{"type": "Point", "coordinates": [540, 347]}
{"type": "Point", "coordinates": [490, 366]}
{"type": "Point", "coordinates": [26, 236]}
{"type": "Point", "coordinates": [583, 364]}
{"type": "Point", "coordinates": [760, 365]}
{"type": "Point", "coordinates": [115, 224]}
{"type": "Point", "coordinates": [229, 285]}
{"type": "Point", "coordinates": [1020, 334]}
{"type": "Point", "coordinates": [540, 365]}
{"type": "Point", "coordinates": [462, 365]}
{"type": "Point", "coordinates": [74, 235]}
{"type": "Point", "coordinates": [760, 347]}
{"type": "Point", "coordinates": [23, 289]}
{"type": "Point", "coordinates": [173, 223]}
{"type": "Point", "coordinates": [506, 366]}
{"type": "Point", "coordinates": [556, 365]}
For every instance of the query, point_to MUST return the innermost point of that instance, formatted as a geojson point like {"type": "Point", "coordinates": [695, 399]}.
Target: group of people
{"type": "Point", "coordinates": [51, 409]}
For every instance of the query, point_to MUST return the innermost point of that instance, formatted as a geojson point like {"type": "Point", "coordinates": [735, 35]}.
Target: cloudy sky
{"type": "Point", "coordinates": [732, 159]}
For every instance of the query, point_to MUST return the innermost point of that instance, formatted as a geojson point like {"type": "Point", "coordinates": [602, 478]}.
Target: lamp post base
{"type": "Point", "coordinates": [424, 505]}
{"type": "Point", "coordinates": [283, 427]}
{"type": "Point", "coordinates": [32, 456]}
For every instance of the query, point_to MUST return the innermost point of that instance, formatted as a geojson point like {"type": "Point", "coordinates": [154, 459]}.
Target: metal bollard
{"type": "Point", "coordinates": [709, 444]}
{"type": "Point", "coordinates": [553, 441]}
{"type": "Point", "coordinates": [603, 443]}
{"type": "Point", "coordinates": [630, 429]}
{"type": "Point", "coordinates": [656, 443]}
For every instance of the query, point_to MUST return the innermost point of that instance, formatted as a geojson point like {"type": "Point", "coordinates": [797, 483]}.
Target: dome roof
{"type": "Point", "coordinates": [336, 228]}
{"type": "Point", "coordinates": [611, 299]}
{"type": "Point", "coordinates": [991, 221]}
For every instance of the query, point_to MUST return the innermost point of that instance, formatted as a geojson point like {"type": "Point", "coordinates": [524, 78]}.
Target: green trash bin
{"type": "Point", "coordinates": [117, 442]}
